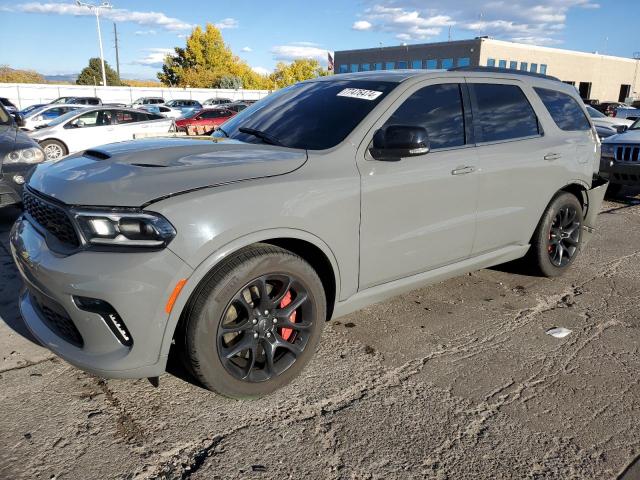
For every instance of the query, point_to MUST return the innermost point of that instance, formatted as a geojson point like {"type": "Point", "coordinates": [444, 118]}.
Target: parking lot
{"type": "Point", "coordinates": [456, 380]}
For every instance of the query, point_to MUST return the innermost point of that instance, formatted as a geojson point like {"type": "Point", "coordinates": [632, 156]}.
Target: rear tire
{"type": "Point", "coordinates": [558, 237]}
{"type": "Point", "coordinates": [242, 308]}
{"type": "Point", "coordinates": [53, 149]}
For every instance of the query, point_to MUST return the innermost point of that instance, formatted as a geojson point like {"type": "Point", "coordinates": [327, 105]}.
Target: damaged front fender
{"type": "Point", "coordinates": [593, 202]}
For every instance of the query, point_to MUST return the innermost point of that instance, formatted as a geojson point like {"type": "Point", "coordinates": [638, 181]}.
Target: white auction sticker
{"type": "Point", "coordinates": [359, 93]}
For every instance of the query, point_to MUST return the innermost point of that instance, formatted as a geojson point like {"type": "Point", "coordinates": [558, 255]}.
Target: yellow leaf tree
{"type": "Point", "coordinates": [296, 71]}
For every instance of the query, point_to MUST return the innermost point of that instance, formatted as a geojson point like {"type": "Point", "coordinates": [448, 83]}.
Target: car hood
{"type": "Point", "coordinates": [630, 136]}
{"type": "Point", "coordinates": [135, 173]}
{"type": "Point", "coordinates": [611, 121]}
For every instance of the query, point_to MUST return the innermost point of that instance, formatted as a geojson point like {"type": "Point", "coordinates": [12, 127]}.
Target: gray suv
{"type": "Point", "coordinates": [320, 199]}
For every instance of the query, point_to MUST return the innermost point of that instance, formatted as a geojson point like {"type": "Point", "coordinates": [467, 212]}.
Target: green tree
{"type": "Point", "coordinates": [205, 61]}
{"type": "Point", "coordinates": [10, 75]}
{"type": "Point", "coordinates": [92, 74]}
{"type": "Point", "coordinates": [296, 71]}
{"type": "Point", "coordinates": [230, 81]}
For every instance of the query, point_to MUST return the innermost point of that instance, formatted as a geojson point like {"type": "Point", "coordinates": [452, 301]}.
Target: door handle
{"type": "Point", "coordinates": [463, 170]}
{"type": "Point", "coordinates": [552, 156]}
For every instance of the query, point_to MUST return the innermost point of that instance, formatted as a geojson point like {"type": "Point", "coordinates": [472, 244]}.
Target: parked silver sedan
{"type": "Point", "coordinates": [40, 117]}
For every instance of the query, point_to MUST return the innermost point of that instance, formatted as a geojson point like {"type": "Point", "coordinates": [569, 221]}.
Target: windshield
{"type": "Point", "coordinates": [311, 115]}
{"type": "Point", "coordinates": [37, 111]}
{"type": "Point", "coordinates": [593, 113]}
{"type": "Point", "coordinates": [635, 125]}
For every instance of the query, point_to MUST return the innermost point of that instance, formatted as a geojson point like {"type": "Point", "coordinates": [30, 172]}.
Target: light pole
{"type": "Point", "coordinates": [96, 10]}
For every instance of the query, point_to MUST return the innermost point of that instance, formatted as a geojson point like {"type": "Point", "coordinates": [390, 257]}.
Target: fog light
{"type": "Point", "coordinates": [19, 179]}
{"type": "Point", "coordinates": [611, 163]}
{"type": "Point", "coordinates": [109, 315]}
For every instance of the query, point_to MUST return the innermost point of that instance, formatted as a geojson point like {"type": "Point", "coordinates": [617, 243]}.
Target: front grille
{"type": "Point", "coordinates": [627, 153]}
{"type": "Point", "coordinates": [51, 217]}
{"type": "Point", "coordinates": [57, 319]}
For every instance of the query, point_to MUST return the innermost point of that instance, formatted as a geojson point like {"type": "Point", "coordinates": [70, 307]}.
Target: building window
{"type": "Point", "coordinates": [513, 64]}
{"type": "Point", "coordinates": [447, 63]}
{"type": "Point", "coordinates": [502, 63]}
{"type": "Point", "coordinates": [417, 64]}
{"type": "Point", "coordinates": [534, 68]}
{"type": "Point", "coordinates": [463, 62]}
{"type": "Point", "coordinates": [585, 90]}
{"type": "Point", "coordinates": [524, 66]}
{"type": "Point", "coordinates": [354, 67]}
{"type": "Point", "coordinates": [377, 66]}
{"type": "Point", "coordinates": [343, 69]}
{"type": "Point", "coordinates": [491, 62]}
{"type": "Point", "coordinates": [389, 65]}
{"type": "Point", "coordinates": [432, 64]}
{"type": "Point", "coordinates": [543, 69]}
{"type": "Point", "coordinates": [365, 67]}
{"type": "Point", "coordinates": [402, 65]}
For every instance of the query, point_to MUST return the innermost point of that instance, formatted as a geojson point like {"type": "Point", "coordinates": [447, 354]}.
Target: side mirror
{"type": "Point", "coordinates": [622, 128]}
{"type": "Point", "coordinates": [19, 119]}
{"type": "Point", "coordinates": [395, 142]}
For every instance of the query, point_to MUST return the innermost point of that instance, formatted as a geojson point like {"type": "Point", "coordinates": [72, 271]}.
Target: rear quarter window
{"type": "Point", "coordinates": [564, 110]}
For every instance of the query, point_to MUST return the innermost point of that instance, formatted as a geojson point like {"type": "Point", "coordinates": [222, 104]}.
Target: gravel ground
{"type": "Point", "coordinates": [453, 381]}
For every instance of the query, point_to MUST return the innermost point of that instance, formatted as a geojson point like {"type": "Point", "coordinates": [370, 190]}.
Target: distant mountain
{"type": "Point", "coordinates": [69, 77]}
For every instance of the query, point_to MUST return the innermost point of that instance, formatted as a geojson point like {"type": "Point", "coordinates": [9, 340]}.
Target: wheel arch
{"type": "Point", "coordinates": [311, 248]}
{"type": "Point", "coordinates": [576, 188]}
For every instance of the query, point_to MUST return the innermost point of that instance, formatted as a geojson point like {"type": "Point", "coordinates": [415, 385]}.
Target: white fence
{"type": "Point", "coordinates": [25, 94]}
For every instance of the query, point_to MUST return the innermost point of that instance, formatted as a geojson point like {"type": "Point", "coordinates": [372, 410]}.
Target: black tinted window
{"type": "Point", "coordinates": [312, 115]}
{"type": "Point", "coordinates": [502, 112]}
{"type": "Point", "coordinates": [564, 110]}
{"type": "Point", "coordinates": [438, 108]}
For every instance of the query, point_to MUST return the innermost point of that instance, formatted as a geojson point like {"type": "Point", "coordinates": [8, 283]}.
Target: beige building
{"type": "Point", "coordinates": [599, 77]}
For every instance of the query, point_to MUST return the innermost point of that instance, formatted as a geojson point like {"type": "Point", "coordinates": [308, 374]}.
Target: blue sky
{"type": "Point", "coordinates": [57, 37]}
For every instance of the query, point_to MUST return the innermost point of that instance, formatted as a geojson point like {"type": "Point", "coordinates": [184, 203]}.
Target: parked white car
{"type": "Point", "coordinates": [90, 127]}
{"type": "Point", "coordinates": [46, 114]}
{"type": "Point", "coordinates": [601, 120]}
{"type": "Point", "coordinates": [163, 110]}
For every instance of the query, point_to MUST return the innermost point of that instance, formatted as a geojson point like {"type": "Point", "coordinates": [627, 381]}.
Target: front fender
{"type": "Point", "coordinates": [225, 251]}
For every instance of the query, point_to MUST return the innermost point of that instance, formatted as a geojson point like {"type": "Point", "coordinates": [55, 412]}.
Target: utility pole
{"type": "Point", "coordinates": [115, 36]}
{"type": "Point", "coordinates": [96, 10]}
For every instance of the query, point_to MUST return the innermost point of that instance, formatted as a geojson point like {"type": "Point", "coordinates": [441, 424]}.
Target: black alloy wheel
{"type": "Point", "coordinates": [265, 327]}
{"type": "Point", "coordinates": [564, 236]}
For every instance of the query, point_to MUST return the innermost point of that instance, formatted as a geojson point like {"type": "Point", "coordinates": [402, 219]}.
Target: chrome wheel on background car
{"type": "Point", "coordinates": [255, 323]}
{"type": "Point", "coordinates": [53, 150]}
{"type": "Point", "coordinates": [265, 328]}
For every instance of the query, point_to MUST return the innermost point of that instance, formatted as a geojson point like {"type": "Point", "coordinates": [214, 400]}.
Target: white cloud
{"type": "Point", "coordinates": [533, 21]}
{"type": "Point", "coordinates": [261, 70]}
{"type": "Point", "coordinates": [247, 49]}
{"type": "Point", "coordinates": [156, 19]}
{"type": "Point", "coordinates": [227, 23]}
{"type": "Point", "coordinates": [154, 57]}
{"type": "Point", "coordinates": [289, 53]}
{"type": "Point", "coordinates": [362, 25]}
{"type": "Point", "coordinates": [145, 32]}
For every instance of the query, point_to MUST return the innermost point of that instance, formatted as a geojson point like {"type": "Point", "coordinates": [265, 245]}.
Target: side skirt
{"type": "Point", "coordinates": [382, 292]}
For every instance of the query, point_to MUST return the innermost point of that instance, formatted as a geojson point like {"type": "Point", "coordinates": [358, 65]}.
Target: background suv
{"type": "Point", "coordinates": [320, 199]}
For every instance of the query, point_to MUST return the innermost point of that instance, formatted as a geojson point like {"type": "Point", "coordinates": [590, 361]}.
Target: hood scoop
{"type": "Point", "coordinates": [97, 154]}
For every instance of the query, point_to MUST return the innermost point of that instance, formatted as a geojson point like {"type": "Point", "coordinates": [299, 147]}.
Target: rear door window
{"type": "Point", "coordinates": [564, 110]}
{"type": "Point", "coordinates": [437, 108]}
{"type": "Point", "coordinates": [502, 112]}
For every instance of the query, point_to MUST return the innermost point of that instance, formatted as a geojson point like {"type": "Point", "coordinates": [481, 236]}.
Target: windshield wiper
{"type": "Point", "coordinates": [265, 137]}
{"type": "Point", "coordinates": [225, 133]}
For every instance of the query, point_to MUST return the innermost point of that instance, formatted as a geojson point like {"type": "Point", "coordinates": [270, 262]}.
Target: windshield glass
{"type": "Point", "coordinates": [635, 125]}
{"type": "Point", "coordinates": [310, 115]}
{"type": "Point", "coordinates": [593, 113]}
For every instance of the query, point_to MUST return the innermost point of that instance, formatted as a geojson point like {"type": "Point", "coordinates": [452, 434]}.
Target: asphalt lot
{"type": "Point", "coordinates": [453, 381]}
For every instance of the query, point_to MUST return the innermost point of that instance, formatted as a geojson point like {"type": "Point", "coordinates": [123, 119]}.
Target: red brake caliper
{"type": "Point", "coordinates": [286, 333]}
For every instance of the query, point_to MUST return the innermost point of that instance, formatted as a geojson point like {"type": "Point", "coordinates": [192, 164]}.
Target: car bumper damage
{"type": "Point", "coordinates": [594, 199]}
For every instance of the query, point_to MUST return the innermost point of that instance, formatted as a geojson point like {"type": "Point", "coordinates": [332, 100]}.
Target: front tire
{"type": "Point", "coordinates": [53, 149]}
{"type": "Point", "coordinates": [558, 237]}
{"type": "Point", "coordinates": [255, 323]}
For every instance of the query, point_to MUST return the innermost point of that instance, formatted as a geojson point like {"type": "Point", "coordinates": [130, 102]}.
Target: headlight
{"type": "Point", "coordinates": [25, 155]}
{"type": "Point", "coordinates": [125, 229]}
{"type": "Point", "coordinates": [607, 150]}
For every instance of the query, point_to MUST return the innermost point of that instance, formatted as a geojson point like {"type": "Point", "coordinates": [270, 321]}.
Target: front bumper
{"type": "Point", "coordinates": [10, 189]}
{"type": "Point", "coordinates": [620, 172]}
{"type": "Point", "coordinates": [136, 284]}
{"type": "Point", "coordinates": [595, 197]}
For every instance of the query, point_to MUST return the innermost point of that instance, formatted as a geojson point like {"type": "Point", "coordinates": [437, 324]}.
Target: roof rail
{"type": "Point", "coordinates": [502, 70]}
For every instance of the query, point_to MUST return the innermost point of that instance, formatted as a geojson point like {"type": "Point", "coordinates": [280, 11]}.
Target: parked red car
{"type": "Point", "coordinates": [208, 117]}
